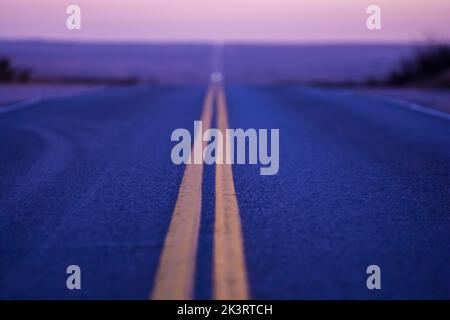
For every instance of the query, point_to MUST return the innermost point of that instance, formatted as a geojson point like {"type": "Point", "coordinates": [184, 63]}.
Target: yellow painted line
{"type": "Point", "coordinates": [176, 271]}
{"type": "Point", "coordinates": [230, 276]}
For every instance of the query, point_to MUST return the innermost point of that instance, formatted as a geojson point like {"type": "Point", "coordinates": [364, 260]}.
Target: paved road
{"type": "Point", "coordinates": [88, 180]}
{"type": "Point", "coordinates": [361, 182]}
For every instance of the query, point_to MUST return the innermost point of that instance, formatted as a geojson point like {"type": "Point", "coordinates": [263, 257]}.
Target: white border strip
{"type": "Point", "coordinates": [57, 96]}
{"type": "Point", "coordinates": [19, 105]}
{"type": "Point", "coordinates": [412, 106]}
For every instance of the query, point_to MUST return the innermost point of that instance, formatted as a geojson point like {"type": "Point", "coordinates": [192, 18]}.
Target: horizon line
{"type": "Point", "coordinates": [225, 42]}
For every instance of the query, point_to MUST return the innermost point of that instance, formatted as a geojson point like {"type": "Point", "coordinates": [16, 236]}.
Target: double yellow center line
{"type": "Point", "coordinates": [176, 270]}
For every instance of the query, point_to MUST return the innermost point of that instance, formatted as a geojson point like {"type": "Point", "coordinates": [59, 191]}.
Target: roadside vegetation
{"type": "Point", "coordinates": [8, 74]}
{"type": "Point", "coordinates": [12, 75]}
{"type": "Point", "coordinates": [429, 67]}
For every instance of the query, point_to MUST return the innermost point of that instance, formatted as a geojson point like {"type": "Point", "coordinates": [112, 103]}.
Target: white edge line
{"type": "Point", "coordinates": [412, 106]}
{"type": "Point", "coordinates": [19, 105]}
{"type": "Point", "coordinates": [35, 100]}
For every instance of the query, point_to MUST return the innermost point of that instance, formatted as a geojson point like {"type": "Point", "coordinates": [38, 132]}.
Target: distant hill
{"type": "Point", "coordinates": [192, 63]}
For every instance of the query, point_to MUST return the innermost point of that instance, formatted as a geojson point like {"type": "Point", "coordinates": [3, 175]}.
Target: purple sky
{"type": "Point", "coordinates": [225, 20]}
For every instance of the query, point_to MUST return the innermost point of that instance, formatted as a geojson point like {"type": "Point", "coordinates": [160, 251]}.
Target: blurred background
{"type": "Point", "coordinates": [323, 43]}
{"type": "Point", "coordinates": [86, 179]}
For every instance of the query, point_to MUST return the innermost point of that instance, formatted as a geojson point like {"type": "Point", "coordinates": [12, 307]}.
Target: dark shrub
{"type": "Point", "coordinates": [427, 64]}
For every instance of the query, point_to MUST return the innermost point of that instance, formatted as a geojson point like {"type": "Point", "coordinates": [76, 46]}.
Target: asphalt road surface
{"type": "Point", "coordinates": [88, 180]}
